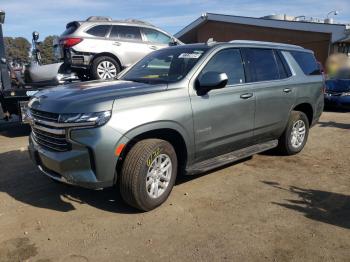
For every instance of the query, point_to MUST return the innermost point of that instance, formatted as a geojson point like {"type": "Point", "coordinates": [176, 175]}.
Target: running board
{"type": "Point", "coordinates": [228, 158]}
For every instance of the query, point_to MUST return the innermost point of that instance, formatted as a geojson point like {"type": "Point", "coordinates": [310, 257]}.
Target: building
{"type": "Point", "coordinates": [323, 37]}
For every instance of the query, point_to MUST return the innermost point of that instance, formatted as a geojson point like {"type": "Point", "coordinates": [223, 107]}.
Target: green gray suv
{"type": "Point", "coordinates": [180, 110]}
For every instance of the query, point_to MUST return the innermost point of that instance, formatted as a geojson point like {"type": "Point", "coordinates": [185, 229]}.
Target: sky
{"type": "Point", "coordinates": [49, 17]}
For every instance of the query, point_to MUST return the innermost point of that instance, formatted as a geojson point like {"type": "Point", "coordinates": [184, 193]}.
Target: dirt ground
{"type": "Point", "coordinates": [267, 208]}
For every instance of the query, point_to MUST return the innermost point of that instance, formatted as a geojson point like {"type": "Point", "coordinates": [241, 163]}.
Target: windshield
{"type": "Point", "coordinates": [165, 66]}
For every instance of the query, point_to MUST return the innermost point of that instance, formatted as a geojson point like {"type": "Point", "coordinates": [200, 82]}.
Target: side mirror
{"type": "Point", "coordinates": [173, 42]}
{"type": "Point", "coordinates": [35, 36]}
{"type": "Point", "coordinates": [2, 17]}
{"type": "Point", "coordinates": [211, 80]}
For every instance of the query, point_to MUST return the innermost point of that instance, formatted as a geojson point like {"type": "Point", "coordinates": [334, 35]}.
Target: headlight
{"type": "Point", "coordinates": [94, 119]}
{"type": "Point", "coordinates": [345, 94]}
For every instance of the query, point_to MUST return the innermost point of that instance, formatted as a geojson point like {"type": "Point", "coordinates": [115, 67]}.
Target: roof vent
{"type": "Point", "coordinates": [99, 18]}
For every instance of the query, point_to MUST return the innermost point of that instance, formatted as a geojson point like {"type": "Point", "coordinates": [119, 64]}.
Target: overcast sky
{"type": "Point", "coordinates": [50, 16]}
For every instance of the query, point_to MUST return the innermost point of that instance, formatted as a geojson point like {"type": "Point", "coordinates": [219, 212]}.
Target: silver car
{"type": "Point", "coordinates": [100, 48]}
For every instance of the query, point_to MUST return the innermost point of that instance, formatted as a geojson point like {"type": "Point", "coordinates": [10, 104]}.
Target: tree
{"type": "Point", "coordinates": [17, 49]}
{"type": "Point", "coordinates": [46, 49]}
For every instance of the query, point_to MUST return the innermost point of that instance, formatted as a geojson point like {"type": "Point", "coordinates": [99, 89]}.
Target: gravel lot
{"type": "Point", "coordinates": [266, 208]}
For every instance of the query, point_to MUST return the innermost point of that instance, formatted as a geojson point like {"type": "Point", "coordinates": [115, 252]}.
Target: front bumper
{"type": "Point", "coordinates": [90, 163]}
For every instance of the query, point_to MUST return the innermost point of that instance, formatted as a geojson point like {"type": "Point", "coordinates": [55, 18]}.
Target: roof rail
{"type": "Point", "coordinates": [99, 18]}
{"type": "Point", "coordinates": [136, 21]}
{"type": "Point", "coordinates": [265, 43]}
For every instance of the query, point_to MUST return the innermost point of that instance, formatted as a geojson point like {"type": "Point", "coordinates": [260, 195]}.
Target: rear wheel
{"type": "Point", "coordinates": [104, 67]}
{"type": "Point", "coordinates": [295, 135]}
{"type": "Point", "coordinates": [148, 174]}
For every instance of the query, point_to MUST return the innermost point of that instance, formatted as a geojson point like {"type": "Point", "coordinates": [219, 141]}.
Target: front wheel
{"type": "Point", "coordinates": [148, 174]}
{"type": "Point", "coordinates": [295, 135]}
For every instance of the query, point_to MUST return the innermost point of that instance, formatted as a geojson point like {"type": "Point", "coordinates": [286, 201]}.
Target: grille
{"type": "Point", "coordinates": [46, 116]}
{"type": "Point", "coordinates": [47, 133]}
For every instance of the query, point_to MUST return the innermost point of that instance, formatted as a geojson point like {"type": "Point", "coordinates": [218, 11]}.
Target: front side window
{"type": "Point", "coordinates": [261, 64]}
{"type": "Point", "coordinates": [155, 36]}
{"type": "Point", "coordinates": [164, 66]}
{"type": "Point", "coordinates": [227, 61]}
{"type": "Point", "coordinates": [99, 30]}
{"type": "Point", "coordinates": [125, 32]}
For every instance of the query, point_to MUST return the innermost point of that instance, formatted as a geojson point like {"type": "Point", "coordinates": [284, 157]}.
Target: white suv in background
{"type": "Point", "coordinates": [100, 48]}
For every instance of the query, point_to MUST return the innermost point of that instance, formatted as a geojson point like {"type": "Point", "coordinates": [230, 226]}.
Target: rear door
{"type": "Point", "coordinates": [127, 44]}
{"type": "Point", "coordinates": [268, 72]}
{"type": "Point", "coordinates": [224, 118]}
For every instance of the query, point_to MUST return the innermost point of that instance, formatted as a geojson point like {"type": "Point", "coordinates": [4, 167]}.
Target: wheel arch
{"type": "Point", "coordinates": [107, 54]}
{"type": "Point", "coordinates": [307, 109]}
{"type": "Point", "coordinates": [175, 137]}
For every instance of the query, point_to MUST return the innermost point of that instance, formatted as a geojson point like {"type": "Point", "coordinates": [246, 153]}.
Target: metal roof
{"type": "Point", "coordinates": [337, 31]}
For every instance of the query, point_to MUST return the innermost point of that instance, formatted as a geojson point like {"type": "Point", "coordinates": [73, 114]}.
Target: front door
{"type": "Point", "coordinates": [224, 118]}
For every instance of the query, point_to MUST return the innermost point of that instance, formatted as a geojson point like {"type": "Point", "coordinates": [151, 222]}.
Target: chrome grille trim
{"type": "Point", "coordinates": [47, 132]}
{"type": "Point", "coordinates": [50, 130]}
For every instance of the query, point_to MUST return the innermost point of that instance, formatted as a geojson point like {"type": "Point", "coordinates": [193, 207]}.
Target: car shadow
{"type": "Point", "coordinates": [20, 179]}
{"type": "Point", "coordinates": [182, 178]}
{"type": "Point", "coordinates": [327, 207]}
{"type": "Point", "coordinates": [16, 130]}
{"type": "Point", "coordinates": [334, 124]}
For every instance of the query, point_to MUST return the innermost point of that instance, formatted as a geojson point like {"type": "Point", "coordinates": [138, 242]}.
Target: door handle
{"type": "Point", "coordinates": [117, 43]}
{"type": "Point", "coordinates": [153, 47]}
{"type": "Point", "coordinates": [246, 95]}
{"type": "Point", "coordinates": [287, 90]}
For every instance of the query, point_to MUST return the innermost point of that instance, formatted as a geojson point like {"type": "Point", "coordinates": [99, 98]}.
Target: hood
{"type": "Point", "coordinates": [93, 96]}
{"type": "Point", "coordinates": [338, 85]}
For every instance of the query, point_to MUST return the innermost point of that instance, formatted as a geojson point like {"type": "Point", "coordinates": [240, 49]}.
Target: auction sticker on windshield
{"type": "Point", "coordinates": [190, 55]}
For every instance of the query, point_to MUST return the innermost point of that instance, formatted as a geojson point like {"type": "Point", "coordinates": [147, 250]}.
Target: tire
{"type": "Point", "coordinates": [104, 62]}
{"type": "Point", "coordinates": [289, 145]}
{"type": "Point", "coordinates": [141, 158]}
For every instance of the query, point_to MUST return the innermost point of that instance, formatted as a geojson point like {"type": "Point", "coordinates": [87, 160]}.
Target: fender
{"type": "Point", "coordinates": [165, 124]}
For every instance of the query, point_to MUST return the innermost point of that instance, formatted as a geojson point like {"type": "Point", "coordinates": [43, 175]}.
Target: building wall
{"type": "Point", "coordinates": [221, 31]}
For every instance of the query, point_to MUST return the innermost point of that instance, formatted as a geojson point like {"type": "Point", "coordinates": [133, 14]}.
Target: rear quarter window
{"type": "Point", "coordinates": [307, 62]}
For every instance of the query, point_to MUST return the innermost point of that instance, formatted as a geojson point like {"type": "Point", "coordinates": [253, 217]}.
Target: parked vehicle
{"type": "Point", "coordinates": [187, 108]}
{"type": "Point", "coordinates": [15, 92]}
{"type": "Point", "coordinates": [100, 48]}
{"type": "Point", "coordinates": [337, 93]}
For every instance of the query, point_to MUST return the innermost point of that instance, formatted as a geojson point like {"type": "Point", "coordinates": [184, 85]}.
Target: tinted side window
{"type": "Point", "coordinates": [260, 64]}
{"type": "Point", "coordinates": [156, 36]}
{"type": "Point", "coordinates": [125, 32]}
{"type": "Point", "coordinates": [100, 30]}
{"type": "Point", "coordinates": [307, 62]}
{"type": "Point", "coordinates": [227, 61]}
